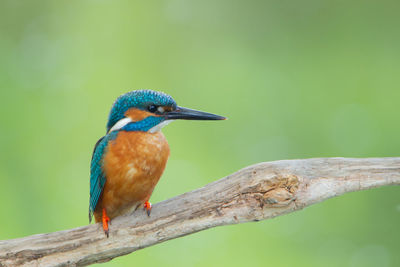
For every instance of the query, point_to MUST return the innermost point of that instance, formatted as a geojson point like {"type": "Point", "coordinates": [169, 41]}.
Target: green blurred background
{"type": "Point", "coordinates": [297, 79]}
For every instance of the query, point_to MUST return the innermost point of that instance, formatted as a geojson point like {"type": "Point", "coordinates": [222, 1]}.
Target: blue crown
{"type": "Point", "coordinates": [139, 99]}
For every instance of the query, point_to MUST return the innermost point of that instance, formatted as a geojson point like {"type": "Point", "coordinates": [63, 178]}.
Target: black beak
{"type": "Point", "coordinates": [181, 113]}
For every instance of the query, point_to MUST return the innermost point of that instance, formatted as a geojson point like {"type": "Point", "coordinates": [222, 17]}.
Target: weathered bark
{"type": "Point", "coordinates": [255, 193]}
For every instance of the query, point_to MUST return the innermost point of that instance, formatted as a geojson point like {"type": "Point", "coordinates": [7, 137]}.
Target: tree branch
{"type": "Point", "coordinates": [255, 193]}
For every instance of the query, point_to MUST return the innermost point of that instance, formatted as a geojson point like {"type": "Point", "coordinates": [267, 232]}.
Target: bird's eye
{"type": "Point", "coordinates": [152, 108]}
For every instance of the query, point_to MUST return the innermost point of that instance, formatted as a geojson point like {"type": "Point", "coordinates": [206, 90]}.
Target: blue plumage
{"type": "Point", "coordinates": [143, 125]}
{"type": "Point", "coordinates": [139, 99]}
{"type": "Point", "coordinates": [97, 177]}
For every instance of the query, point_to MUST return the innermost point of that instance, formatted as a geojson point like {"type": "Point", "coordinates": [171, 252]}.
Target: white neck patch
{"type": "Point", "coordinates": [120, 124]}
{"type": "Point", "coordinates": [158, 127]}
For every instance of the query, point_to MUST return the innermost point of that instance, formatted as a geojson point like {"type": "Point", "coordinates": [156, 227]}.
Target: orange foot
{"type": "Point", "coordinates": [147, 207]}
{"type": "Point", "coordinates": [106, 220]}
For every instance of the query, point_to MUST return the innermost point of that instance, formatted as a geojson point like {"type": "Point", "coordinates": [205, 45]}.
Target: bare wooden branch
{"type": "Point", "coordinates": [255, 193]}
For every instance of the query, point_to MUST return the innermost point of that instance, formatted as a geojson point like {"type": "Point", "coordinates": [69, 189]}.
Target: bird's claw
{"type": "Point", "coordinates": [106, 221]}
{"type": "Point", "coordinates": [147, 207]}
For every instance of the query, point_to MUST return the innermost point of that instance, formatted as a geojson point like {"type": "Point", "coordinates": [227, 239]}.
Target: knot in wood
{"type": "Point", "coordinates": [280, 191]}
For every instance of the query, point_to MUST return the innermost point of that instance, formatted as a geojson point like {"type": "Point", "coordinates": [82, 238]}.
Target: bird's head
{"type": "Point", "coordinates": [147, 110]}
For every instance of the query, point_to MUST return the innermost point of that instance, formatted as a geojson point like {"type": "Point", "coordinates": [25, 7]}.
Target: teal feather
{"type": "Point", "coordinates": [97, 176]}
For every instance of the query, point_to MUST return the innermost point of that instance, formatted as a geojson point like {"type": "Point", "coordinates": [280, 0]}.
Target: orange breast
{"type": "Point", "coordinates": [133, 164]}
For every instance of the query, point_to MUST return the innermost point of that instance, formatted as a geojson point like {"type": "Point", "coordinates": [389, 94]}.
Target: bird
{"type": "Point", "coordinates": [129, 160]}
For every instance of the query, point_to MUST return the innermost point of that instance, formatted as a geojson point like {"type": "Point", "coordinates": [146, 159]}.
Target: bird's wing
{"type": "Point", "coordinates": [97, 177]}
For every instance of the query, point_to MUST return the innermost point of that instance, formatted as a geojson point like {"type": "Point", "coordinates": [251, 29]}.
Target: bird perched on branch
{"type": "Point", "coordinates": [129, 160]}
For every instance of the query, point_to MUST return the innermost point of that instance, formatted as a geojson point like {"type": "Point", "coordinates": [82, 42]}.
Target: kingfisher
{"type": "Point", "coordinates": [129, 160]}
